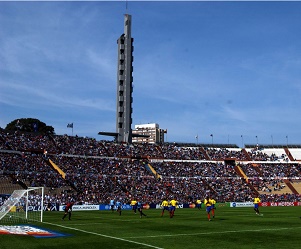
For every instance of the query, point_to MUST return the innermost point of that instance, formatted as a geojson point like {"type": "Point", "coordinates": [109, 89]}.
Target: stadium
{"type": "Point", "coordinates": [65, 191]}
{"type": "Point", "coordinates": [94, 172]}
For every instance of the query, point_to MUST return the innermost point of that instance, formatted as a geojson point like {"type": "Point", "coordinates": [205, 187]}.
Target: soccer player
{"type": "Point", "coordinates": [213, 202]}
{"type": "Point", "coordinates": [198, 204]}
{"type": "Point", "coordinates": [68, 209]}
{"type": "Point", "coordinates": [112, 204]}
{"type": "Point", "coordinates": [164, 206]}
{"type": "Point", "coordinates": [140, 207]}
{"type": "Point", "coordinates": [208, 205]}
{"type": "Point", "coordinates": [173, 204]}
{"type": "Point", "coordinates": [134, 205]}
{"type": "Point", "coordinates": [119, 206]}
{"type": "Point", "coordinates": [256, 204]}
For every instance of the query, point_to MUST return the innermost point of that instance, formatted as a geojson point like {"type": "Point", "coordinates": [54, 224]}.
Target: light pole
{"type": "Point", "coordinates": [272, 140]}
{"type": "Point", "coordinates": [286, 140]}
{"type": "Point", "coordinates": [197, 138]}
{"type": "Point", "coordinates": [211, 135]}
{"type": "Point", "coordinates": [256, 140]}
{"type": "Point", "coordinates": [242, 141]}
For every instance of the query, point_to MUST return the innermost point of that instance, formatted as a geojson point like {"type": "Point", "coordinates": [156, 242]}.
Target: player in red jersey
{"type": "Point", "coordinates": [68, 209]}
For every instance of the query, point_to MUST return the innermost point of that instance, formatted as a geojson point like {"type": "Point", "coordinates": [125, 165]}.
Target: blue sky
{"type": "Point", "coordinates": [231, 69]}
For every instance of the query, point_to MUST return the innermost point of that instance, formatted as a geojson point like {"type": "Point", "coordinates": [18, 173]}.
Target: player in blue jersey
{"type": "Point", "coordinates": [119, 206]}
{"type": "Point", "coordinates": [140, 207]}
{"type": "Point", "coordinates": [112, 204]}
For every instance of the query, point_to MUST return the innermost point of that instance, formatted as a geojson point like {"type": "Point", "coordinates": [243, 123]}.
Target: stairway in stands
{"type": "Point", "coordinates": [297, 185]}
{"type": "Point", "coordinates": [150, 169]}
{"type": "Point", "coordinates": [288, 183]}
{"type": "Point", "coordinates": [242, 174]}
{"type": "Point", "coordinates": [205, 153]}
{"type": "Point", "coordinates": [288, 153]}
{"type": "Point", "coordinates": [246, 154]}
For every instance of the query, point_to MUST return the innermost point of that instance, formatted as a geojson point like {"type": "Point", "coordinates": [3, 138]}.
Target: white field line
{"type": "Point", "coordinates": [97, 223]}
{"type": "Point", "coordinates": [103, 235]}
{"type": "Point", "coordinates": [210, 233]}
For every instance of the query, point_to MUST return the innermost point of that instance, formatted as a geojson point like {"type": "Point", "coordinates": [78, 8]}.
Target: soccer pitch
{"type": "Point", "coordinates": [279, 227]}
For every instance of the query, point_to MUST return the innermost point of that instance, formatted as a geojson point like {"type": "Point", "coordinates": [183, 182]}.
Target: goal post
{"type": "Point", "coordinates": [22, 206]}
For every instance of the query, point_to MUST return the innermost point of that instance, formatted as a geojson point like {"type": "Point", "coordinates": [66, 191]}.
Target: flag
{"type": "Point", "coordinates": [35, 127]}
{"type": "Point", "coordinates": [211, 135]}
{"type": "Point", "coordinates": [70, 125]}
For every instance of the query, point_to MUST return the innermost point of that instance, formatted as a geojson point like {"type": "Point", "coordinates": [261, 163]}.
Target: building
{"type": "Point", "coordinates": [152, 133]}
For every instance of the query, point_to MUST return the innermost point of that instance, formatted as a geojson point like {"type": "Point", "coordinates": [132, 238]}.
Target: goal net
{"type": "Point", "coordinates": [22, 206]}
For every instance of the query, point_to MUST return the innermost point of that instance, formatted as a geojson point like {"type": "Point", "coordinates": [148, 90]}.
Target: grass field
{"type": "Point", "coordinates": [279, 227]}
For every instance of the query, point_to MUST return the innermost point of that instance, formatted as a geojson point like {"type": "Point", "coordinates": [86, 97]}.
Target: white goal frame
{"type": "Point", "coordinates": [24, 196]}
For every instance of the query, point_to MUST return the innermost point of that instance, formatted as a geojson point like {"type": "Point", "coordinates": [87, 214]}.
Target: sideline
{"type": "Point", "coordinates": [103, 235]}
{"type": "Point", "coordinates": [209, 233]}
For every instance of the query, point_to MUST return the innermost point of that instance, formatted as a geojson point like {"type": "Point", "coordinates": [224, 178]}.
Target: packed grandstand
{"type": "Point", "coordinates": [93, 172]}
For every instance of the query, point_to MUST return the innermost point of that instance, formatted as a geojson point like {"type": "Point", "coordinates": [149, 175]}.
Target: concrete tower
{"type": "Point", "coordinates": [125, 83]}
{"type": "Point", "coordinates": [124, 98]}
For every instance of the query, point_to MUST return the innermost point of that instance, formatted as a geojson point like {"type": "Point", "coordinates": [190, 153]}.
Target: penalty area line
{"type": "Point", "coordinates": [210, 233]}
{"type": "Point", "coordinates": [103, 235]}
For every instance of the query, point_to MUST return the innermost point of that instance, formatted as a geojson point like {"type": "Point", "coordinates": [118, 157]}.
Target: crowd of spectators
{"type": "Point", "coordinates": [97, 171]}
{"type": "Point", "coordinates": [74, 145]}
{"type": "Point", "coordinates": [269, 177]}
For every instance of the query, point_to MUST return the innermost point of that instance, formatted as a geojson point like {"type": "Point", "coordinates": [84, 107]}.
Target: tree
{"type": "Point", "coordinates": [29, 125]}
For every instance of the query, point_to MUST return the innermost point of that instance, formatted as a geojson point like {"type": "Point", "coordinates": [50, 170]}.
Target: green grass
{"type": "Point", "coordinates": [279, 227]}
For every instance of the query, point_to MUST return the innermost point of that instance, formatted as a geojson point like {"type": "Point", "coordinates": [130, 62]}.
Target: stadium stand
{"type": "Point", "coordinates": [94, 171]}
